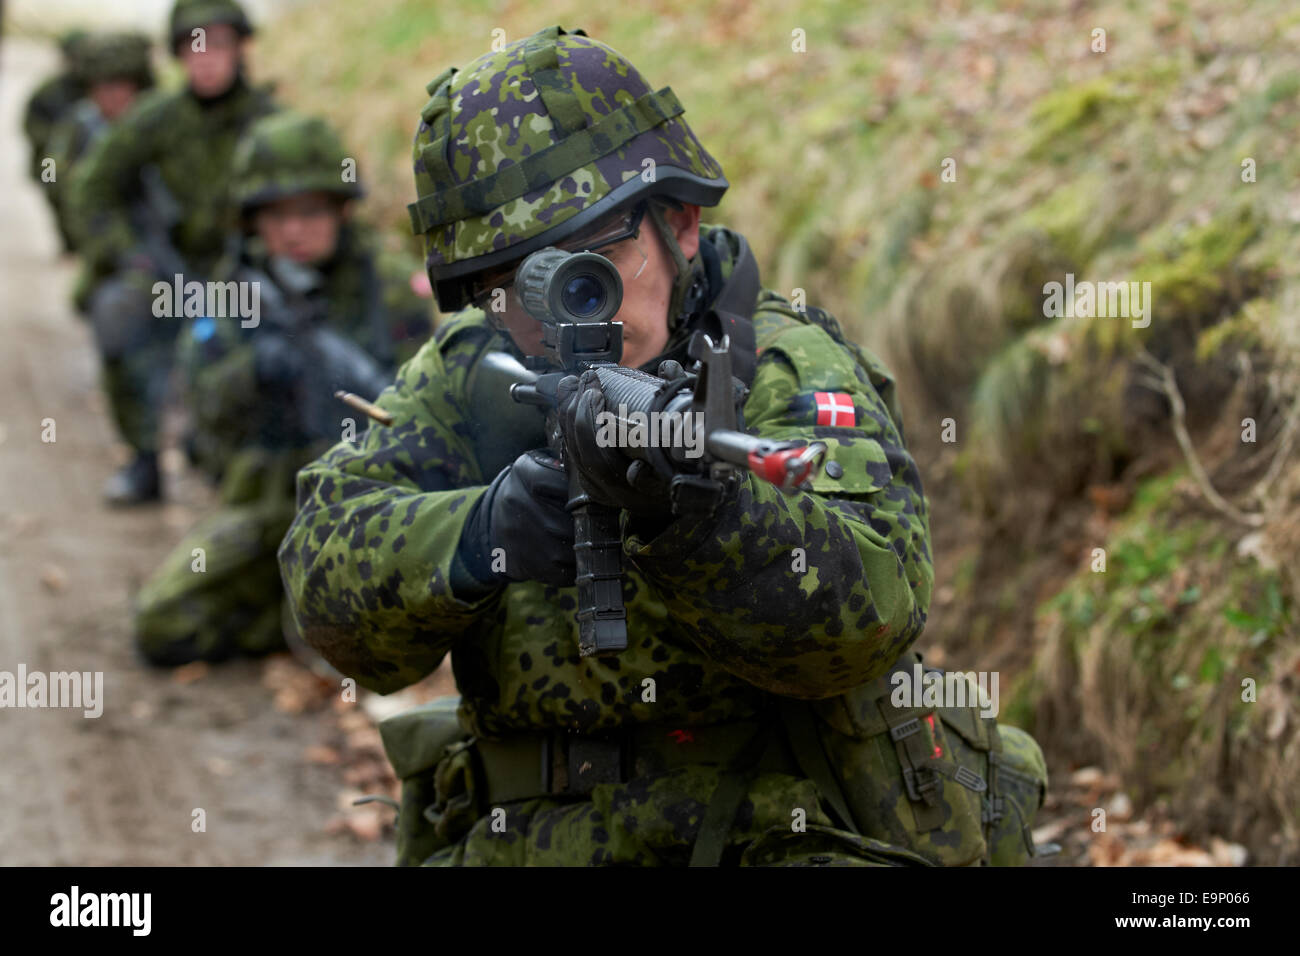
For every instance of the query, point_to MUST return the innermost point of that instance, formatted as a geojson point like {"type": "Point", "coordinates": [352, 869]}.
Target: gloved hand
{"type": "Point", "coordinates": [277, 362]}
{"type": "Point", "coordinates": [522, 513]}
{"type": "Point", "coordinates": [609, 476]}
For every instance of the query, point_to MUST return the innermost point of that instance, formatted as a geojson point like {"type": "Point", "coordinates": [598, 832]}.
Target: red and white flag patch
{"type": "Point", "coordinates": [835, 409]}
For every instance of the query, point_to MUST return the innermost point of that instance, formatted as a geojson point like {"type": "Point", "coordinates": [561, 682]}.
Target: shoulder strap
{"type": "Point", "coordinates": [740, 293]}
{"type": "Point", "coordinates": [733, 308]}
{"type": "Point", "coordinates": [730, 792]}
{"type": "Point", "coordinates": [807, 746]}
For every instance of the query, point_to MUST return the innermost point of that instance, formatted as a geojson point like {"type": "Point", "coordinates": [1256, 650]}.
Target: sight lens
{"type": "Point", "coordinates": [583, 295]}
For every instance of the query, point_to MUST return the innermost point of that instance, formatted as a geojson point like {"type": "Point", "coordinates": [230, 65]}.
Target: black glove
{"type": "Point", "coordinates": [523, 513]}
{"type": "Point", "coordinates": [609, 476]}
{"type": "Point", "coordinates": [277, 362]}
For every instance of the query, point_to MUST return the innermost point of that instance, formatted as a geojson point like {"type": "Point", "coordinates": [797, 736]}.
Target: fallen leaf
{"type": "Point", "coordinates": [1120, 808]}
{"type": "Point", "coordinates": [1106, 850]}
{"type": "Point", "coordinates": [189, 673]}
{"type": "Point", "coordinates": [1051, 832]}
{"type": "Point", "coordinates": [364, 826]}
{"type": "Point", "coordinates": [322, 754]}
{"type": "Point", "coordinates": [1087, 777]}
{"type": "Point", "coordinates": [54, 578]}
{"type": "Point", "coordinates": [1170, 853]}
{"type": "Point", "coordinates": [1227, 854]}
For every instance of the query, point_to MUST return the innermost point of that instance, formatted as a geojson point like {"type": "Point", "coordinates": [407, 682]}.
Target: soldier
{"type": "Point", "coordinates": [50, 103]}
{"type": "Point", "coordinates": [750, 719]}
{"type": "Point", "coordinates": [333, 313]}
{"type": "Point", "coordinates": [115, 68]}
{"type": "Point", "coordinates": [149, 203]}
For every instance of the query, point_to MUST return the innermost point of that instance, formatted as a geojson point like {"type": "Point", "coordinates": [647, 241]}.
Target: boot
{"type": "Point", "coordinates": [136, 483]}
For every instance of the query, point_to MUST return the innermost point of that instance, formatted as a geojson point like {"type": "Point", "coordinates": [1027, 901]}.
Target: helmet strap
{"type": "Point", "coordinates": [687, 270]}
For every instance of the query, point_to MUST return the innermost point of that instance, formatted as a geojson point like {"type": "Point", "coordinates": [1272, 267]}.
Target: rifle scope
{"type": "Point", "coordinates": [558, 286]}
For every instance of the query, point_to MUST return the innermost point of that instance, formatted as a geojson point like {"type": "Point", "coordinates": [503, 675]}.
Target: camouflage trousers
{"type": "Point", "coordinates": [218, 592]}
{"type": "Point", "coordinates": [136, 350]}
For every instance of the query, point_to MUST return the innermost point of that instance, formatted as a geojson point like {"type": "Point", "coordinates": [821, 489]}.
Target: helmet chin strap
{"type": "Point", "coordinates": [687, 270]}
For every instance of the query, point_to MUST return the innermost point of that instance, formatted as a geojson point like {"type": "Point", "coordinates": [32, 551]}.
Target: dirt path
{"type": "Point", "coordinates": [120, 789]}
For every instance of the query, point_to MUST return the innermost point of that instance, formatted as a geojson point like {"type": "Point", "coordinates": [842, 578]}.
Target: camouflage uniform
{"type": "Point", "coordinates": [50, 103]}
{"type": "Point", "coordinates": [182, 146]}
{"type": "Point", "coordinates": [745, 679]}
{"type": "Point", "coordinates": [248, 434]}
{"type": "Point", "coordinates": [103, 57]}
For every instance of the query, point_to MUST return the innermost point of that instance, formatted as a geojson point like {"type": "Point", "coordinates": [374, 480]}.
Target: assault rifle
{"type": "Point", "coordinates": [576, 297]}
{"type": "Point", "coordinates": [328, 365]}
{"type": "Point", "coordinates": [153, 217]}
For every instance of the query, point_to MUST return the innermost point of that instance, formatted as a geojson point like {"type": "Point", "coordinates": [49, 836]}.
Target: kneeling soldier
{"type": "Point", "coordinates": [332, 313]}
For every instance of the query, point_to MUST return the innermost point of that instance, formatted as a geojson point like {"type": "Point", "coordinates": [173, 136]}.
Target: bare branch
{"type": "Point", "coordinates": [1164, 377]}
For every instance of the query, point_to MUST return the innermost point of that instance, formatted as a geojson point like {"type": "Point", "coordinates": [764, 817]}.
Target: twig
{"type": "Point", "coordinates": [1162, 379]}
{"type": "Point", "coordinates": [1285, 443]}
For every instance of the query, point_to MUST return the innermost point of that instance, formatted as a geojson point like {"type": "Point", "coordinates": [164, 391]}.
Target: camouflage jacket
{"type": "Point", "coordinates": [365, 295]}
{"type": "Point", "coordinates": [68, 142]}
{"type": "Point", "coordinates": [717, 614]}
{"type": "Point", "coordinates": [50, 102]}
{"type": "Point", "coordinates": [190, 142]}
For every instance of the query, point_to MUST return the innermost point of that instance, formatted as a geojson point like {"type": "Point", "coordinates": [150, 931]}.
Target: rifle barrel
{"type": "Point", "coordinates": [361, 405]}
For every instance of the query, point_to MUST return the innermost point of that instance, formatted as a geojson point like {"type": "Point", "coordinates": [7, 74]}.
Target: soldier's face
{"type": "Point", "coordinates": [646, 290]}
{"type": "Point", "coordinates": [113, 97]}
{"type": "Point", "coordinates": [648, 273]}
{"type": "Point", "coordinates": [304, 228]}
{"type": "Point", "coordinates": [213, 68]}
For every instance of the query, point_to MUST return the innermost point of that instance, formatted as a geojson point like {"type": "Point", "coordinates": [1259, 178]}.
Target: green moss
{"type": "Point", "coordinates": [1189, 268]}
{"type": "Point", "coordinates": [1067, 216]}
{"type": "Point", "coordinates": [1244, 330]}
{"type": "Point", "coordinates": [1062, 114]}
{"type": "Point", "coordinates": [1283, 87]}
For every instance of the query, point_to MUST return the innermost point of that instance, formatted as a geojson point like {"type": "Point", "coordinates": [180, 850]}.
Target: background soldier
{"type": "Point", "coordinates": [150, 202]}
{"type": "Point", "coordinates": [50, 103]}
{"type": "Point", "coordinates": [334, 313]}
{"type": "Point", "coordinates": [115, 68]}
{"type": "Point", "coordinates": [698, 743]}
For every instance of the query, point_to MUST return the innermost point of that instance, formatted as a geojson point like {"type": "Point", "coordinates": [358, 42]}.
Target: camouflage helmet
{"type": "Point", "coordinates": [287, 153]}
{"type": "Point", "coordinates": [188, 14]}
{"type": "Point", "coordinates": [531, 144]}
{"type": "Point", "coordinates": [70, 42]}
{"type": "Point", "coordinates": [114, 56]}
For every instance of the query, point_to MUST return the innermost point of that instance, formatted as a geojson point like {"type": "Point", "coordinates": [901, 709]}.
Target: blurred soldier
{"type": "Point", "coordinates": [332, 314]}
{"type": "Point", "coordinates": [50, 103]}
{"type": "Point", "coordinates": [116, 69]}
{"type": "Point", "coordinates": [149, 204]}
{"type": "Point", "coordinates": [749, 720]}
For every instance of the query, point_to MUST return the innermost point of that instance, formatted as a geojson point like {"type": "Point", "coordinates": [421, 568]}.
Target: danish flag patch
{"type": "Point", "coordinates": [835, 409]}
